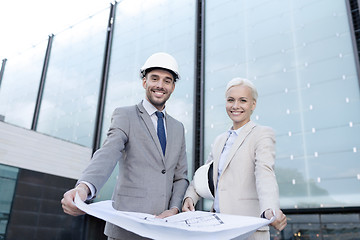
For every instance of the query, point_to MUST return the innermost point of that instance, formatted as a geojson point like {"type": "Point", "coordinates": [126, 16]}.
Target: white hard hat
{"type": "Point", "coordinates": [161, 60]}
{"type": "Point", "coordinates": [203, 181]}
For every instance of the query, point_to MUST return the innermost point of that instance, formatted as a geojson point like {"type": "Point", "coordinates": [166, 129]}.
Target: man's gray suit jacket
{"type": "Point", "coordinates": [148, 181]}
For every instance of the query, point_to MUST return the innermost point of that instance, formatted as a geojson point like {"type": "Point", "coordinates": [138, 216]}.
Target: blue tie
{"type": "Point", "coordinates": [161, 130]}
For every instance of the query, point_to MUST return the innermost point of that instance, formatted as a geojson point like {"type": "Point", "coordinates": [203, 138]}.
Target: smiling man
{"type": "Point", "coordinates": [149, 145]}
{"type": "Point", "coordinates": [159, 85]}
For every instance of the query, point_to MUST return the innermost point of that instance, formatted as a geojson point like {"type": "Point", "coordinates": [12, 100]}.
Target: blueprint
{"type": "Point", "coordinates": [187, 225]}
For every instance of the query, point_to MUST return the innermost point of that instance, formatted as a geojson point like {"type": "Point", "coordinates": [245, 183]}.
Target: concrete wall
{"type": "Point", "coordinates": [31, 150]}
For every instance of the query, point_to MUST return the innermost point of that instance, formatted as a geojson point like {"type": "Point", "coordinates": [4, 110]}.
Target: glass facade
{"type": "Point", "coordinates": [8, 176]}
{"type": "Point", "coordinates": [141, 29]}
{"type": "Point", "coordinates": [299, 54]}
{"type": "Point", "coordinates": [20, 85]}
{"type": "Point", "coordinates": [308, 91]}
{"type": "Point", "coordinates": [71, 91]}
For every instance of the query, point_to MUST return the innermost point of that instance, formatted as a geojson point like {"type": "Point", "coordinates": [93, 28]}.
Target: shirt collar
{"type": "Point", "coordinates": [237, 131]}
{"type": "Point", "coordinates": [150, 109]}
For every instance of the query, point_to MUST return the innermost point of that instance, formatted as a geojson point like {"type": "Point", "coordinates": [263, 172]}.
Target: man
{"type": "Point", "coordinates": [150, 150]}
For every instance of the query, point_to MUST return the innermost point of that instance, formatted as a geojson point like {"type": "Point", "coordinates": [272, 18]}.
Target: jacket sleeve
{"type": "Point", "coordinates": [105, 159]}
{"type": "Point", "coordinates": [266, 184]}
{"type": "Point", "coordinates": [191, 191]}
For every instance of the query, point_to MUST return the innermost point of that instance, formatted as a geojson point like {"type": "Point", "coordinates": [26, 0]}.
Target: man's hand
{"type": "Point", "coordinates": [280, 221]}
{"type": "Point", "coordinates": [188, 205]}
{"type": "Point", "coordinates": [68, 201]}
{"type": "Point", "coordinates": [168, 213]}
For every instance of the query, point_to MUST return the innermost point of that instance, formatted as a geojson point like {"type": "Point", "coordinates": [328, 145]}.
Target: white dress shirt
{"type": "Point", "coordinates": [229, 142]}
{"type": "Point", "coordinates": [150, 109]}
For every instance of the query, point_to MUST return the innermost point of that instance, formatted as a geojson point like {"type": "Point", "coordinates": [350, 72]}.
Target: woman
{"type": "Point", "coordinates": [243, 164]}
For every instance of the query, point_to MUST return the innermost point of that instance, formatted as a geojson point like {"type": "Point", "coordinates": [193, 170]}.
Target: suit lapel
{"type": "Point", "coordinates": [238, 142]}
{"type": "Point", "coordinates": [218, 147]}
{"type": "Point", "coordinates": [169, 134]}
{"type": "Point", "coordinates": [150, 127]}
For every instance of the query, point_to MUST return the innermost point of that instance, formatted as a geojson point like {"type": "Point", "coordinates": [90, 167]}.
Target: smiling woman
{"type": "Point", "coordinates": [241, 98]}
{"type": "Point", "coordinates": [245, 155]}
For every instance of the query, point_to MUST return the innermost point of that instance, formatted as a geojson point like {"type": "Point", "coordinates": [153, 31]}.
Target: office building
{"type": "Point", "coordinates": [56, 101]}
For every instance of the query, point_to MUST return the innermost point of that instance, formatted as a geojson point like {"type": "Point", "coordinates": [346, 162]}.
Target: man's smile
{"type": "Point", "coordinates": [158, 93]}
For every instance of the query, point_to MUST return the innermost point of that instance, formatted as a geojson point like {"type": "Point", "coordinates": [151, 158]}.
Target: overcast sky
{"type": "Point", "coordinates": [25, 23]}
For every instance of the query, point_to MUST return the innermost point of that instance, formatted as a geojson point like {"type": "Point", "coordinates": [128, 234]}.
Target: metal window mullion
{"type": "Point", "coordinates": [42, 83]}
{"type": "Point", "coordinates": [198, 137]}
{"type": "Point", "coordinates": [3, 64]}
{"type": "Point", "coordinates": [351, 12]}
{"type": "Point", "coordinates": [104, 79]}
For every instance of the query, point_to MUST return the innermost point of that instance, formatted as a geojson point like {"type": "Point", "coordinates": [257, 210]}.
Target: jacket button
{"type": "Point", "coordinates": [163, 171]}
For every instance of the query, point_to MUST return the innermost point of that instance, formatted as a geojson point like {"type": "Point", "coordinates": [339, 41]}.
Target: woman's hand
{"type": "Point", "coordinates": [280, 221]}
{"type": "Point", "coordinates": [188, 205]}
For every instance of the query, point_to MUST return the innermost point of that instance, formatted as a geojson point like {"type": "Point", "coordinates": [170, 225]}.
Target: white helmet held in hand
{"type": "Point", "coordinates": [203, 181]}
{"type": "Point", "coordinates": [161, 60]}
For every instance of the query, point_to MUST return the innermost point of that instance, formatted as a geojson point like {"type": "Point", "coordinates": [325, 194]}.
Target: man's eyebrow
{"type": "Point", "coordinates": [153, 75]}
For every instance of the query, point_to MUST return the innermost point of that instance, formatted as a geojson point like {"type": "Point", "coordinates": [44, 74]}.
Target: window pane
{"type": "Point", "coordinates": [71, 90]}
{"type": "Point", "coordinates": [20, 85]}
{"type": "Point", "coordinates": [141, 29]}
{"type": "Point", "coordinates": [8, 176]}
{"type": "Point", "coordinates": [300, 56]}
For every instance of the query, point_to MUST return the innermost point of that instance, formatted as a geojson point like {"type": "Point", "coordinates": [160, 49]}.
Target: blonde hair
{"type": "Point", "coordinates": [245, 82]}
